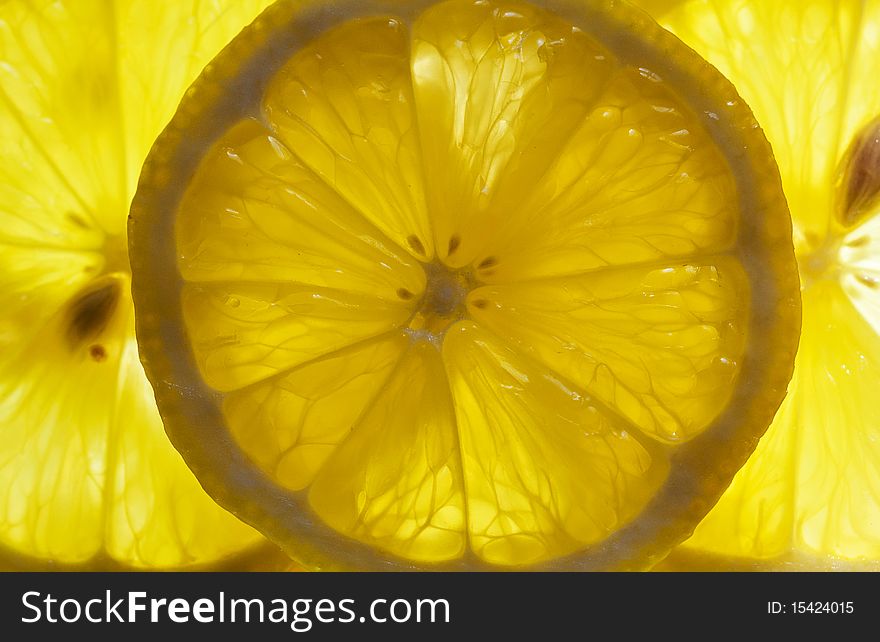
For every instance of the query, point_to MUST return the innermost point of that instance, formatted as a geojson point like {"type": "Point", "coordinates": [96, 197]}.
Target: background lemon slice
{"type": "Point", "coordinates": [810, 495]}
{"type": "Point", "coordinates": [460, 284]}
{"type": "Point", "coordinates": [89, 479]}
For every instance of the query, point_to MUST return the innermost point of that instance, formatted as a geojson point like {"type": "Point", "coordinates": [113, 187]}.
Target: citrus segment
{"type": "Point", "coordinates": [612, 331]}
{"type": "Point", "coordinates": [45, 67]}
{"type": "Point", "coordinates": [835, 515]}
{"type": "Point", "coordinates": [636, 182]}
{"type": "Point", "coordinates": [499, 87]}
{"type": "Point", "coordinates": [51, 489]}
{"type": "Point", "coordinates": [396, 482]}
{"type": "Point", "coordinates": [345, 105]}
{"type": "Point", "coordinates": [296, 228]}
{"type": "Point", "coordinates": [547, 471]}
{"type": "Point", "coordinates": [532, 396]}
{"type": "Point", "coordinates": [242, 333]}
{"type": "Point", "coordinates": [290, 424]}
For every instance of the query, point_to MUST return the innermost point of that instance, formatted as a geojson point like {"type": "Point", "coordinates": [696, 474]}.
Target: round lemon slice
{"type": "Point", "coordinates": [462, 285]}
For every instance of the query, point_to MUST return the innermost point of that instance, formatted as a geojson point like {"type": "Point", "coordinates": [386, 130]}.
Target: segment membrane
{"type": "Point", "coordinates": [660, 345]}
{"type": "Point", "coordinates": [344, 106]}
{"type": "Point", "coordinates": [396, 482]}
{"type": "Point", "coordinates": [547, 471]}
{"type": "Point", "coordinates": [243, 333]}
{"type": "Point", "coordinates": [499, 87]}
{"type": "Point", "coordinates": [255, 213]}
{"type": "Point", "coordinates": [639, 181]}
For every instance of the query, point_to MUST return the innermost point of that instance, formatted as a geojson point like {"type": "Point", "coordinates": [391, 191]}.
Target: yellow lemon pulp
{"type": "Point", "coordinates": [811, 492]}
{"type": "Point", "coordinates": [464, 283]}
{"type": "Point", "coordinates": [87, 474]}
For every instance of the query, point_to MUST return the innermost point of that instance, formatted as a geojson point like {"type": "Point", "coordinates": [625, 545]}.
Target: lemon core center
{"type": "Point", "coordinates": [821, 263]}
{"type": "Point", "coordinates": [443, 302]}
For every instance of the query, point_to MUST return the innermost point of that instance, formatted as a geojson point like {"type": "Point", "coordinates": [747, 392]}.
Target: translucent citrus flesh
{"type": "Point", "coordinates": [808, 69]}
{"type": "Point", "coordinates": [465, 284]}
{"type": "Point", "coordinates": [86, 470]}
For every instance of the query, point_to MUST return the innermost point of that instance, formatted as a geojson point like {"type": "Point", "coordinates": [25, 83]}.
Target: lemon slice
{"type": "Point", "coordinates": [88, 477]}
{"type": "Point", "coordinates": [464, 284]}
{"type": "Point", "coordinates": [810, 496]}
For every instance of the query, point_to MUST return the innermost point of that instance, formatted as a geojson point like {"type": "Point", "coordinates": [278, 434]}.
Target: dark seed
{"type": "Point", "coordinates": [77, 220]}
{"type": "Point", "coordinates": [98, 353]}
{"type": "Point", "coordinates": [404, 294]}
{"type": "Point", "coordinates": [859, 178]}
{"type": "Point", "coordinates": [487, 263]}
{"type": "Point", "coordinates": [91, 310]}
{"type": "Point", "coordinates": [454, 242]}
{"type": "Point", "coordinates": [416, 245]}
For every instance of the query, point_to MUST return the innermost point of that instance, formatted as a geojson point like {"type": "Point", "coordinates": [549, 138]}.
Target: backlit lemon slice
{"type": "Point", "coordinates": [464, 284]}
